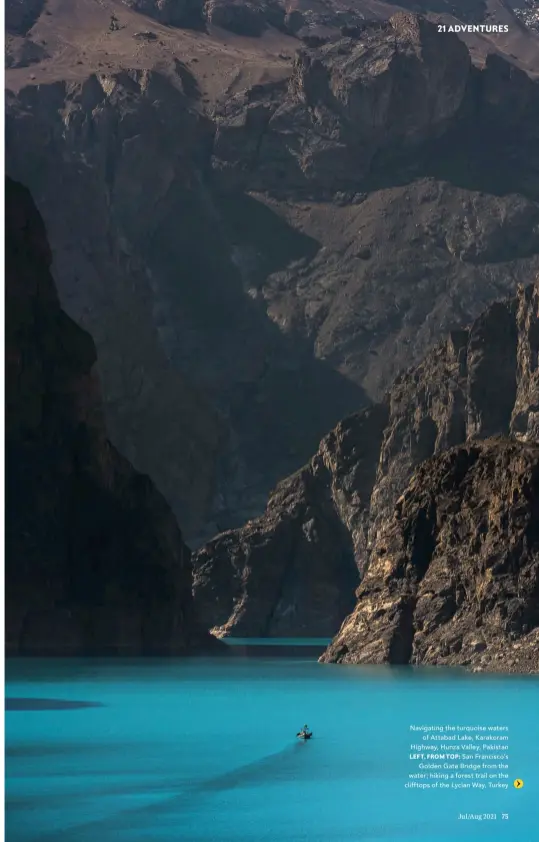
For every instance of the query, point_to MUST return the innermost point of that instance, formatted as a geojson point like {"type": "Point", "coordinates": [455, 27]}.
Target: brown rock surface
{"type": "Point", "coordinates": [347, 101]}
{"type": "Point", "coordinates": [525, 415]}
{"type": "Point", "coordinates": [95, 563]}
{"type": "Point", "coordinates": [454, 574]}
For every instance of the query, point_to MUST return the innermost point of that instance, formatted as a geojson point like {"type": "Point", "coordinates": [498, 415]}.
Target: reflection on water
{"type": "Point", "coordinates": [47, 704]}
{"type": "Point", "coordinates": [204, 750]}
{"type": "Point", "coordinates": [268, 647]}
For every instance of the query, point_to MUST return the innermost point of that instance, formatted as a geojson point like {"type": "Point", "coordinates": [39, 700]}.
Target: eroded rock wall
{"type": "Point", "coordinates": [454, 574]}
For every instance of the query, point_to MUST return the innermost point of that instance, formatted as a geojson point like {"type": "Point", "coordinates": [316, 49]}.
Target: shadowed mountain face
{"type": "Point", "coordinates": [175, 299]}
{"type": "Point", "coordinates": [21, 15]}
{"type": "Point", "coordinates": [310, 19]}
{"type": "Point", "coordinates": [281, 232]}
{"type": "Point", "coordinates": [95, 563]}
{"type": "Point", "coordinates": [458, 534]}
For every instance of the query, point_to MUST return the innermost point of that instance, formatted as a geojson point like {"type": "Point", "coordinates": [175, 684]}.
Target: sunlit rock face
{"type": "Point", "coordinates": [454, 574]}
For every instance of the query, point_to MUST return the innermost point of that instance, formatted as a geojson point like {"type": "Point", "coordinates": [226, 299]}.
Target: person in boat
{"type": "Point", "coordinates": [305, 730]}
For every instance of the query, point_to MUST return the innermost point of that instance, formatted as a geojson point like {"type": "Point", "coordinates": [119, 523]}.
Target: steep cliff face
{"type": "Point", "coordinates": [454, 574]}
{"type": "Point", "coordinates": [292, 572]}
{"type": "Point", "coordinates": [277, 262]}
{"type": "Point", "coordinates": [452, 397]}
{"type": "Point", "coordinates": [477, 384]}
{"type": "Point", "coordinates": [525, 414]}
{"type": "Point", "coordinates": [95, 563]}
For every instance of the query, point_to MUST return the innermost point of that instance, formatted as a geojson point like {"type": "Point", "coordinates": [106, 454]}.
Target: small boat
{"type": "Point", "coordinates": [304, 735]}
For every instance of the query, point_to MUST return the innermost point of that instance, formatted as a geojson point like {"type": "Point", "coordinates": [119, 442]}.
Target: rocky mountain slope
{"type": "Point", "coordinates": [282, 227]}
{"type": "Point", "coordinates": [481, 382]}
{"type": "Point", "coordinates": [95, 563]}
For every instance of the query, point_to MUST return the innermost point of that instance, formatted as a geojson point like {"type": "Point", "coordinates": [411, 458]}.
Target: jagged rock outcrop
{"type": "Point", "coordinates": [452, 397]}
{"type": "Point", "coordinates": [95, 563]}
{"type": "Point", "coordinates": [454, 574]}
{"type": "Point", "coordinates": [347, 101]}
{"type": "Point", "coordinates": [525, 413]}
{"type": "Point", "coordinates": [477, 384]}
{"type": "Point", "coordinates": [354, 106]}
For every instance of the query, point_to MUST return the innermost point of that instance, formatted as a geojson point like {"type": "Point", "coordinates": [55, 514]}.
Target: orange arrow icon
{"type": "Point", "coordinates": [518, 783]}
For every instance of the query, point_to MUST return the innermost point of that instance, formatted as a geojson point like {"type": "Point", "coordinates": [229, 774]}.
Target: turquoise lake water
{"type": "Point", "coordinates": [204, 750]}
